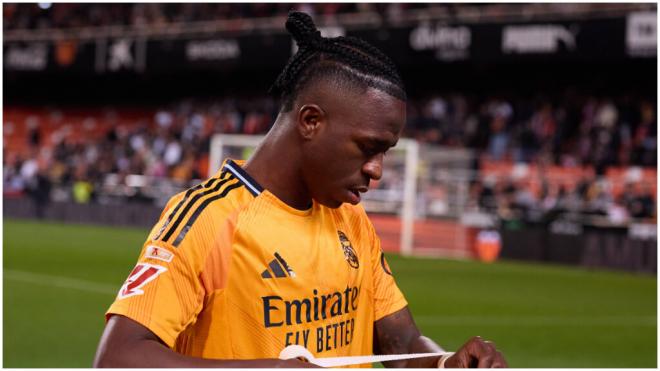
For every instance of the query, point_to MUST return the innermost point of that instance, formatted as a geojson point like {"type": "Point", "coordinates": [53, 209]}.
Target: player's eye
{"type": "Point", "coordinates": [367, 150]}
{"type": "Point", "coordinates": [373, 148]}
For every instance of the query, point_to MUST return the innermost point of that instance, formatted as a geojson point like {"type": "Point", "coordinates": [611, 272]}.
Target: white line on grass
{"type": "Point", "coordinates": [522, 320]}
{"type": "Point", "coordinates": [59, 281]}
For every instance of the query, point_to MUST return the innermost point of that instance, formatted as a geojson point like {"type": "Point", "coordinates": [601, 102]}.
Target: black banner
{"type": "Point", "coordinates": [425, 44]}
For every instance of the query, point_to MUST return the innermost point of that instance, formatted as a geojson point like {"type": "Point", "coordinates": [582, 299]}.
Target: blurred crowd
{"type": "Point", "coordinates": [569, 129]}
{"type": "Point", "coordinates": [592, 197]}
{"type": "Point", "coordinates": [166, 144]}
{"type": "Point", "coordinates": [17, 16]}
{"type": "Point", "coordinates": [171, 144]}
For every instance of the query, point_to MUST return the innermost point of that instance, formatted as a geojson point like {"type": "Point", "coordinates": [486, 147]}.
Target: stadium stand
{"type": "Point", "coordinates": [605, 134]}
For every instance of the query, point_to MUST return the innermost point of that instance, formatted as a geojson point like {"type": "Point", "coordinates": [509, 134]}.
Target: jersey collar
{"type": "Point", "coordinates": [245, 178]}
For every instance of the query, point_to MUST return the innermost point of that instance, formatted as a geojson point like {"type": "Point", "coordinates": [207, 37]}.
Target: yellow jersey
{"type": "Point", "coordinates": [232, 272]}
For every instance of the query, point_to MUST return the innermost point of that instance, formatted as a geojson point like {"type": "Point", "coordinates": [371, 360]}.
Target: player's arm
{"type": "Point", "coordinates": [397, 334]}
{"type": "Point", "coordinates": [126, 343]}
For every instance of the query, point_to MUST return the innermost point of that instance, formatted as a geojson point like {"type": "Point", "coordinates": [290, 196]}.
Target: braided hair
{"type": "Point", "coordinates": [349, 59]}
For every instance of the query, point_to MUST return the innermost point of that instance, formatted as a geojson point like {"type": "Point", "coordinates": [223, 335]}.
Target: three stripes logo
{"type": "Point", "coordinates": [278, 268]}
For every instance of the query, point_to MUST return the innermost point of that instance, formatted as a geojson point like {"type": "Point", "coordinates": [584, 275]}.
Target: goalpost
{"type": "Point", "coordinates": [399, 182]}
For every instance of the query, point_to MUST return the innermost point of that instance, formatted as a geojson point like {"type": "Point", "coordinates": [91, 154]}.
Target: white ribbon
{"type": "Point", "coordinates": [298, 351]}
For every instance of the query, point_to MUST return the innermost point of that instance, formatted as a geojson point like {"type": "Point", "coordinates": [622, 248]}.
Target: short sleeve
{"type": "Point", "coordinates": [163, 291]}
{"type": "Point", "coordinates": [387, 296]}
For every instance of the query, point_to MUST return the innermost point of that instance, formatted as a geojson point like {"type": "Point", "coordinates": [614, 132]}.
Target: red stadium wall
{"type": "Point", "coordinates": [431, 236]}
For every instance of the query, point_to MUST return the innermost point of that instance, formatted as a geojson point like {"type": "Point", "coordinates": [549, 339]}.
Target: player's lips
{"type": "Point", "coordinates": [354, 194]}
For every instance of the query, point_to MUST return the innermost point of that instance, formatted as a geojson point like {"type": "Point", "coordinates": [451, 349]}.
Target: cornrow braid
{"type": "Point", "coordinates": [346, 56]}
{"type": "Point", "coordinates": [380, 56]}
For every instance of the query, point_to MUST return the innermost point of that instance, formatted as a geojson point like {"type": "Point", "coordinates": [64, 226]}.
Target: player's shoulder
{"type": "Point", "coordinates": [211, 203]}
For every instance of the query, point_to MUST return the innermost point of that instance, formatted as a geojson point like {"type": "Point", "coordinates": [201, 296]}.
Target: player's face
{"type": "Point", "coordinates": [348, 151]}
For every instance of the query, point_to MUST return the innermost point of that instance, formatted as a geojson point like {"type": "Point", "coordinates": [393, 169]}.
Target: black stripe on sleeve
{"type": "Point", "coordinates": [209, 183]}
{"type": "Point", "coordinates": [199, 210]}
{"type": "Point", "coordinates": [190, 204]}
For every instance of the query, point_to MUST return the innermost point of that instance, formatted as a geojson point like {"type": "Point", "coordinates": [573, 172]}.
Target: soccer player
{"type": "Point", "coordinates": [277, 251]}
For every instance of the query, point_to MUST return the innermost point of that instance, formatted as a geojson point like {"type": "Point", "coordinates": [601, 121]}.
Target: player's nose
{"type": "Point", "coordinates": [374, 167]}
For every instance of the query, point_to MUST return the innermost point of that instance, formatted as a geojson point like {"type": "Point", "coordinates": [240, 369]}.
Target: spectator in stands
{"type": "Point", "coordinates": [645, 140]}
{"type": "Point", "coordinates": [499, 115]}
{"type": "Point", "coordinates": [617, 212]}
{"type": "Point", "coordinates": [642, 205]}
{"type": "Point", "coordinates": [82, 190]}
{"type": "Point", "coordinates": [39, 187]}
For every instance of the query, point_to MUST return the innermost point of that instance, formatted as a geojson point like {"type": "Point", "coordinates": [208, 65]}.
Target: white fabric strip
{"type": "Point", "coordinates": [297, 351]}
{"type": "Point", "coordinates": [239, 176]}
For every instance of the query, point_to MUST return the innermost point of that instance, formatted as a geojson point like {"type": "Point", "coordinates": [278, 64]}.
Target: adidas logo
{"type": "Point", "coordinates": [279, 268]}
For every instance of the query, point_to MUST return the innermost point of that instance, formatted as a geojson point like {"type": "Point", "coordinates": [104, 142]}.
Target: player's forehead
{"type": "Point", "coordinates": [381, 116]}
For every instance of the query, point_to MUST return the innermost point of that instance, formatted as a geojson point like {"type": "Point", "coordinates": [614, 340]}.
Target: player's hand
{"type": "Point", "coordinates": [477, 353]}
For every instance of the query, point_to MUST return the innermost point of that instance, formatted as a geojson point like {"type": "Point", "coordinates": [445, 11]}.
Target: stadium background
{"type": "Point", "coordinates": [539, 135]}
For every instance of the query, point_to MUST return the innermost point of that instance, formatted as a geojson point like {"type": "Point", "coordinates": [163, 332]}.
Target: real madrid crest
{"type": "Point", "coordinates": [349, 252]}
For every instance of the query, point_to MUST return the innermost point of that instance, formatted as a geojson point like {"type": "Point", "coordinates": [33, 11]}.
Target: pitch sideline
{"type": "Point", "coordinates": [59, 281]}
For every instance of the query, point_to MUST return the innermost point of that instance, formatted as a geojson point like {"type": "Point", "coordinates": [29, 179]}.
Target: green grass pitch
{"type": "Point", "coordinates": [59, 279]}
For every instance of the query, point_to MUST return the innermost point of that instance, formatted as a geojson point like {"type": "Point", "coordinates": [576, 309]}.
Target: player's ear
{"type": "Point", "coordinates": [310, 119]}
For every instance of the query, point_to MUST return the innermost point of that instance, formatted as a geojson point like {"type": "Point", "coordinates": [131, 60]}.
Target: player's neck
{"type": "Point", "coordinates": [275, 165]}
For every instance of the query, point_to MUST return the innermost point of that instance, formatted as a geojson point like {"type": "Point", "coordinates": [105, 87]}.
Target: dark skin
{"type": "Point", "coordinates": [327, 148]}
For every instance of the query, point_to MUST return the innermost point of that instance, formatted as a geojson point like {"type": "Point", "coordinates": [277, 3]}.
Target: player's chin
{"type": "Point", "coordinates": [352, 196]}
{"type": "Point", "coordinates": [339, 197]}
{"type": "Point", "coordinates": [349, 196]}
{"type": "Point", "coordinates": [333, 201]}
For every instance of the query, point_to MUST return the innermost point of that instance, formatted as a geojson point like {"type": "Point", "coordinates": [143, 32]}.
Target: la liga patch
{"type": "Point", "coordinates": [157, 252]}
{"type": "Point", "coordinates": [142, 274]}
